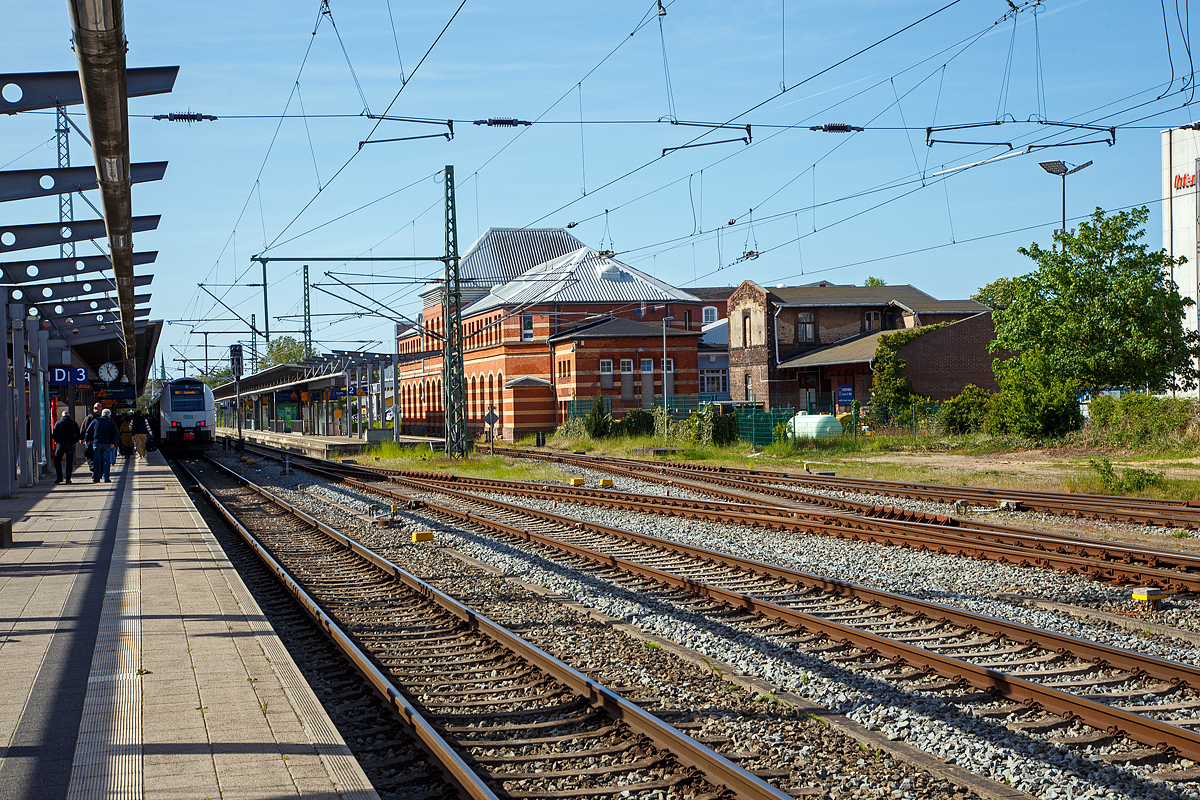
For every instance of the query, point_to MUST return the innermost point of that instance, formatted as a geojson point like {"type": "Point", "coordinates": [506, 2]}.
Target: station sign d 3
{"type": "Point", "coordinates": [68, 376]}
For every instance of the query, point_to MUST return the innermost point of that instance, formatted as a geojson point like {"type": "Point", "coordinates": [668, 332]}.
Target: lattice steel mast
{"type": "Point", "coordinates": [453, 379]}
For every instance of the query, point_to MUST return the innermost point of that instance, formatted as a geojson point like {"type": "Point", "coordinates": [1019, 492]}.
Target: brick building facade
{"type": "Point", "coordinates": [769, 329]}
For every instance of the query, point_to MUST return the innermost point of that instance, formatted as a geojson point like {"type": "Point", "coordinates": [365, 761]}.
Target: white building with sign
{"type": "Point", "coordinates": [1180, 184]}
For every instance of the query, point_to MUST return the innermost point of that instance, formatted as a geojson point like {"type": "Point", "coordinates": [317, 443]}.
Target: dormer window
{"type": "Point", "coordinates": [709, 314]}
{"type": "Point", "coordinates": [873, 321]}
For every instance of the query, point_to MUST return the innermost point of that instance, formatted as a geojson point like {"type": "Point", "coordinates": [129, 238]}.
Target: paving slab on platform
{"type": "Point", "coordinates": [136, 662]}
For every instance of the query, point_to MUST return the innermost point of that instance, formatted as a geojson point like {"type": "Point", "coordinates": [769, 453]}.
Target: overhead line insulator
{"type": "Point", "coordinates": [185, 116]}
{"type": "Point", "coordinates": [836, 127]}
{"type": "Point", "coordinates": [502, 122]}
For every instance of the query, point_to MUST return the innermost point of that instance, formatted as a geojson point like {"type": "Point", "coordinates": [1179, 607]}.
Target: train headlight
{"type": "Point", "coordinates": [201, 423]}
{"type": "Point", "coordinates": [174, 423]}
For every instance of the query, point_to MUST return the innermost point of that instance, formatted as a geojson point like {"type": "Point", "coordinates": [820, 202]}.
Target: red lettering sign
{"type": "Point", "coordinates": [1184, 181]}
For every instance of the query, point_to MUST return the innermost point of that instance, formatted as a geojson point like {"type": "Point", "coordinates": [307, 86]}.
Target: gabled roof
{"type": "Point", "coordinates": [527, 381]}
{"type": "Point", "coordinates": [501, 254]}
{"type": "Point", "coordinates": [713, 292]}
{"type": "Point", "coordinates": [833, 295]}
{"type": "Point", "coordinates": [943, 306]}
{"type": "Point", "coordinates": [617, 328]}
{"type": "Point", "coordinates": [858, 350]}
{"type": "Point", "coordinates": [582, 276]}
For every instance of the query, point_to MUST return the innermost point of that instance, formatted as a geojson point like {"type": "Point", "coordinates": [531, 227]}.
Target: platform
{"type": "Point", "coordinates": [323, 446]}
{"type": "Point", "coordinates": [136, 663]}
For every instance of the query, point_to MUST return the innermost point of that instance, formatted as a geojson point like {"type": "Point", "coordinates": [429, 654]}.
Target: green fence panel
{"type": "Point", "coordinates": [757, 426]}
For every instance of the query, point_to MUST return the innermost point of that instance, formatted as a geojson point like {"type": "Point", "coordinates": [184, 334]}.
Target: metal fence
{"type": "Point", "coordinates": [679, 406]}
{"type": "Point", "coordinates": [758, 426]}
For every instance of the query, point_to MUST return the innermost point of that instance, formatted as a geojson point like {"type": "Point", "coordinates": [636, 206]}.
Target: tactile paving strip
{"type": "Point", "coordinates": [108, 751]}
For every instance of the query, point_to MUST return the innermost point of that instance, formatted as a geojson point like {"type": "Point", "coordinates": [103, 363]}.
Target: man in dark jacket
{"type": "Point", "coordinates": [65, 435]}
{"type": "Point", "coordinates": [104, 436]}
{"type": "Point", "coordinates": [86, 429]}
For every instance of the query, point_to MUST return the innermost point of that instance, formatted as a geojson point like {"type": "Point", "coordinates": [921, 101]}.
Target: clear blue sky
{"type": "Point", "coordinates": [880, 210]}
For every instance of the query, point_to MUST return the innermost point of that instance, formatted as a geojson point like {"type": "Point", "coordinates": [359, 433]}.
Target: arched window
{"type": "Point", "coordinates": [749, 389]}
{"type": "Point", "coordinates": [709, 314]}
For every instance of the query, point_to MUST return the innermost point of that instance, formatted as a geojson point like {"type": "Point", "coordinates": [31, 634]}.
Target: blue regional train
{"type": "Point", "coordinates": [184, 417]}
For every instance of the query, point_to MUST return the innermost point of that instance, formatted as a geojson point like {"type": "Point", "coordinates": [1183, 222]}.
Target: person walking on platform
{"type": "Point", "coordinates": [141, 429]}
{"type": "Point", "coordinates": [126, 428]}
{"type": "Point", "coordinates": [65, 435]}
{"type": "Point", "coordinates": [86, 430]}
{"type": "Point", "coordinates": [104, 436]}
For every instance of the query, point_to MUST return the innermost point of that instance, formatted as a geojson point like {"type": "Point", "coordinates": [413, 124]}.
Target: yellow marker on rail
{"type": "Point", "coordinates": [606, 482]}
{"type": "Point", "coordinates": [423, 536]}
{"type": "Point", "coordinates": [577, 481]}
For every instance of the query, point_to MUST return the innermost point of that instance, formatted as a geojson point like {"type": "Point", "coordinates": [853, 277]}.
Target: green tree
{"type": "Point", "coordinates": [217, 377]}
{"type": "Point", "coordinates": [996, 295]}
{"type": "Point", "coordinates": [873, 281]}
{"type": "Point", "coordinates": [1102, 309]}
{"type": "Point", "coordinates": [282, 350]}
{"type": "Point", "coordinates": [1034, 401]}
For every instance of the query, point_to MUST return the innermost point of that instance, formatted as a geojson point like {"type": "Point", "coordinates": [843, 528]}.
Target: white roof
{"type": "Point", "coordinates": [582, 276]}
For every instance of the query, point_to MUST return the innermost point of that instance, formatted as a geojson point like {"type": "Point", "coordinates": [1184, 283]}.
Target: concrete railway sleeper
{"type": "Point", "coordinates": [474, 691]}
{"type": "Point", "coordinates": [799, 600]}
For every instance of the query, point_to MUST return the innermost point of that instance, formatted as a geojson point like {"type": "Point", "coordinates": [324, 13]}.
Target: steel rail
{"type": "Point", "coordinates": [1007, 545]}
{"type": "Point", "coordinates": [668, 475]}
{"type": "Point", "coordinates": [451, 764]}
{"type": "Point", "coordinates": [1154, 511]}
{"type": "Point", "coordinates": [1148, 731]}
{"type": "Point", "coordinates": [690, 753]}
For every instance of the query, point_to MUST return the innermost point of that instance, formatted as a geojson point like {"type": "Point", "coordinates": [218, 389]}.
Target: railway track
{"type": "Point", "coordinates": [507, 719]}
{"type": "Point", "coordinates": [922, 646]}
{"type": "Point", "coordinates": [394, 761]}
{"type": "Point", "coordinates": [1162, 512]}
{"type": "Point", "coordinates": [1096, 559]}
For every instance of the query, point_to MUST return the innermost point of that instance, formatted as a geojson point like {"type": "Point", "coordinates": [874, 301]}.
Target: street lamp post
{"type": "Point", "coordinates": [1062, 169]}
{"type": "Point", "coordinates": [664, 362]}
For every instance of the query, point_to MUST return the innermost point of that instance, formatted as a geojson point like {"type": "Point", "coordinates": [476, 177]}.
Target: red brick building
{"type": "Point", "coordinates": [522, 288]}
{"type": "Point", "coordinates": [625, 362]}
{"type": "Point", "coordinates": [771, 331]}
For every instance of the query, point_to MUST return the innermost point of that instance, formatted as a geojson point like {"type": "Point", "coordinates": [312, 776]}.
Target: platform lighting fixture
{"type": "Point", "coordinates": [1062, 169]}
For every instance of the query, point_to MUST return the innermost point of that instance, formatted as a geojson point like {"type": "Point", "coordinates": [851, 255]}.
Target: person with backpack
{"type": "Point", "coordinates": [104, 436]}
{"type": "Point", "coordinates": [141, 429]}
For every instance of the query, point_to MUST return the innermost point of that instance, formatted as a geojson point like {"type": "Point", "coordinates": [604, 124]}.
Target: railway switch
{"type": "Point", "coordinates": [422, 536]}
{"type": "Point", "coordinates": [1009, 505]}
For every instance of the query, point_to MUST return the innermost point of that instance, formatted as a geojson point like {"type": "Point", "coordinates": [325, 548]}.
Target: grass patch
{"type": "Point", "coordinates": [478, 465]}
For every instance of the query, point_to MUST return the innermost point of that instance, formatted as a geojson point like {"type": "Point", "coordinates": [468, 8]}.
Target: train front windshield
{"type": "Point", "coordinates": [187, 397]}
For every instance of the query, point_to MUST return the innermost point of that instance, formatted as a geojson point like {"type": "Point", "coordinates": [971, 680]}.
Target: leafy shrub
{"type": "Point", "coordinates": [1131, 480]}
{"type": "Point", "coordinates": [1034, 401]}
{"type": "Point", "coordinates": [571, 429]}
{"type": "Point", "coordinates": [966, 413]}
{"type": "Point", "coordinates": [597, 422]}
{"type": "Point", "coordinates": [637, 422]}
{"type": "Point", "coordinates": [725, 429]}
{"type": "Point", "coordinates": [1141, 420]}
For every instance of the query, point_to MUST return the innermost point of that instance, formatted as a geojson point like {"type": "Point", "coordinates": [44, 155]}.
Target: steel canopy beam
{"type": "Point", "coordinates": [62, 291]}
{"type": "Point", "coordinates": [98, 28]}
{"type": "Point", "coordinates": [14, 272]}
{"type": "Point", "coordinates": [45, 234]}
{"type": "Point", "coordinates": [23, 184]}
{"type": "Point", "coordinates": [49, 309]}
{"type": "Point", "coordinates": [82, 334]}
{"type": "Point", "coordinates": [49, 89]}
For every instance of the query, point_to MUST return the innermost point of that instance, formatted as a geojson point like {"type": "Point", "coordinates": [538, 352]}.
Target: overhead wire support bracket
{"type": "Point", "coordinates": [744, 140]}
{"type": "Point", "coordinates": [448, 137]}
